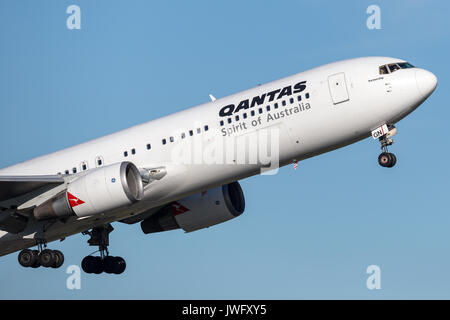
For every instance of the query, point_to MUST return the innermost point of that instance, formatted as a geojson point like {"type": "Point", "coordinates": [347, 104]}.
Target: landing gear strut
{"type": "Point", "coordinates": [42, 257]}
{"type": "Point", "coordinates": [104, 262]}
{"type": "Point", "coordinates": [387, 159]}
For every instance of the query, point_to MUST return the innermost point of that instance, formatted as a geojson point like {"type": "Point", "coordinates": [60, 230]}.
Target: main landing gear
{"type": "Point", "coordinates": [104, 262]}
{"type": "Point", "coordinates": [387, 159]}
{"type": "Point", "coordinates": [42, 257]}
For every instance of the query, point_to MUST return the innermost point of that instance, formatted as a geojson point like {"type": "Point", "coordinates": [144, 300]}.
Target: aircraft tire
{"type": "Point", "coordinates": [59, 259]}
{"type": "Point", "coordinates": [393, 160]}
{"type": "Point", "coordinates": [121, 265]}
{"type": "Point", "coordinates": [27, 258]}
{"type": "Point", "coordinates": [47, 258]}
{"type": "Point", "coordinates": [109, 264]}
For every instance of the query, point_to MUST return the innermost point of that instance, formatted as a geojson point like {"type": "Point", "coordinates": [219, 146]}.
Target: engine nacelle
{"type": "Point", "coordinates": [99, 191]}
{"type": "Point", "coordinates": [198, 211]}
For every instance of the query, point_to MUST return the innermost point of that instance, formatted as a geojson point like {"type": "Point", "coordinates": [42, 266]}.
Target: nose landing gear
{"type": "Point", "coordinates": [387, 159]}
{"type": "Point", "coordinates": [104, 262]}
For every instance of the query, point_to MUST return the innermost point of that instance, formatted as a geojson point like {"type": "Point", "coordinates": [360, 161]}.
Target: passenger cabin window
{"type": "Point", "coordinates": [99, 161]}
{"type": "Point", "coordinates": [133, 151]}
{"type": "Point", "coordinates": [149, 146]}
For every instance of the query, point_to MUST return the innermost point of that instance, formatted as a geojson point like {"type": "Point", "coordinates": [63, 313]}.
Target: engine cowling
{"type": "Point", "coordinates": [99, 191]}
{"type": "Point", "coordinates": [198, 211]}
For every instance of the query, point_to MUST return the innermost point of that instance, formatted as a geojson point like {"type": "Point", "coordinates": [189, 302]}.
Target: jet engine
{"type": "Point", "coordinates": [99, 190]}
{"type": "Point", "coordinates": [198, 211]}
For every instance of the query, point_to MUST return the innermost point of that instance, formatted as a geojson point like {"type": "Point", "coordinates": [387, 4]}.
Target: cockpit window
{"type": "Point", "coordinates": [394, 67]}
{"type": "Point", "coordinates": [405, 65]}
{"type": "Point", "coordinates": [384, 70]}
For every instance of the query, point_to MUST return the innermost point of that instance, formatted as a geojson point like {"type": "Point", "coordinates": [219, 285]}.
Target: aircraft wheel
{"type": "Point", "coordinates": [47, 258]}
{"type": "Point", "coordinates": [384, 159]}
{"type": "Point", "coordinates": [387, 160]}
{"type": "Point", "coordinates": [121, 265]}
{"type": "Point", "coordinates": [88, 264]}
{"type": "Point", "coordinates": [109, 264]}
{"type": "Point", "coordinates": [27, 258]}
{"type": "Point", "coordinates": [394, 160]}
{"type": "Point", "coordinates": [37, 262]}
{"type": "Point", "coordinates": [59, 259]}
{"type": "Point", "coordinates": [98, 265]}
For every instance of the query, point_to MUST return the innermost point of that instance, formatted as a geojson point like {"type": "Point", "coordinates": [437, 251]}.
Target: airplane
{"type": "Point", "coordinates": [181, 171]}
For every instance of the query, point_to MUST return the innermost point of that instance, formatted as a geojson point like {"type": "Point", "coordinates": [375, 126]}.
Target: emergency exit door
{"type": "Point", "coordinates": [338, 88]}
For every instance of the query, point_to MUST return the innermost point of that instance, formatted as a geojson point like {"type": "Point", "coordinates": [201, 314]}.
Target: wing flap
{"type": "Point", "coordinates": [14, 186]}
{"type": "Point", "coordinates": [12, 222]}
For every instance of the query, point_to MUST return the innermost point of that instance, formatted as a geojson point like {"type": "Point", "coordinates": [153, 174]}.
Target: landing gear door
{"type": "Point", "coordinates": [338, 88]}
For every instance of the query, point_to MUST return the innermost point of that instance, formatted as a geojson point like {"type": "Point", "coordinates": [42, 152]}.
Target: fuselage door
{"type": "Point", "coordinates": [338, 88]}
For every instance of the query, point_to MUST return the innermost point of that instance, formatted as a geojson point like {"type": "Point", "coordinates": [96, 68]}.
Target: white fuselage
{"type": "Point", "coordinates": [330, 115]}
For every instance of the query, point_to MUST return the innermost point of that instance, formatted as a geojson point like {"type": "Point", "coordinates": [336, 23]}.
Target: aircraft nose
{"type": "Point", "coordinates": [426, 82]}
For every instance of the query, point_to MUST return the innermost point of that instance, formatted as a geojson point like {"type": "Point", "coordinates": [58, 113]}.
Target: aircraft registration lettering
{"type": "Point", "coordinates": [380, 131]}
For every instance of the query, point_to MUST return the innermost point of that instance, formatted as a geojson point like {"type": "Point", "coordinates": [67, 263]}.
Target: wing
{"type": "Point", "coordinates": [25, 187]}
{"type": "Point", "coordinates": [14, 186]}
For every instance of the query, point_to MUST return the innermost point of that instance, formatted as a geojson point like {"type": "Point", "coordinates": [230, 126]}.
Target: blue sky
{"type": "Point", "coordinates": [305, 234]}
